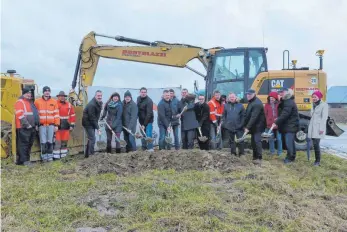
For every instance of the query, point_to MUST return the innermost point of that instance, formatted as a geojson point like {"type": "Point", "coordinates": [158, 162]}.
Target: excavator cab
{"type": "Point", "coordinates": [234, 70]}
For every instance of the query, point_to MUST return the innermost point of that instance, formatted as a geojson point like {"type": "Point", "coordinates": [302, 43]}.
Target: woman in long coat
{"type": "Point", "coordinates": [317, 126]}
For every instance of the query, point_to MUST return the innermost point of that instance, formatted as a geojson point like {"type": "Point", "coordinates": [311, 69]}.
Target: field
{"type": "Point", "coordinates": [175, 191]}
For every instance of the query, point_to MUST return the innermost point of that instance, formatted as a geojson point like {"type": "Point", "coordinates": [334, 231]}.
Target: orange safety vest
{"type": "Point", "coordinates": [67, 112]}
{"type": "Point", "coordinates": [23, 110]}
{"type": "Point", "coordinates": [48, 111]}
{"type": "Point", "coordinates": [216, 109]}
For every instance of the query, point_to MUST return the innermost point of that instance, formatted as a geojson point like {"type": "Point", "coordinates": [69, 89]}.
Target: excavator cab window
{"type": "Point", "coordinates": [234, 70]}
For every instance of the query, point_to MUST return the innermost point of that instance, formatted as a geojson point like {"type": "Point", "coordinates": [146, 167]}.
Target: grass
{"type": "Point", "coordinates": [274, 197]}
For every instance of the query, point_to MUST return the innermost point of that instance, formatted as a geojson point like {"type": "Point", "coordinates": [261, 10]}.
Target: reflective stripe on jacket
{"type": "Point", "coordinates": [24, 114]}
{"type": "Point", "coordinates": [216, 109]}
{"type": "Point", "coordinates": [48, 111]}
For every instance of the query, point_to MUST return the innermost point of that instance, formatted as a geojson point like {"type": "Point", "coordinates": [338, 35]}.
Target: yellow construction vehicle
{"type": "Point", "coordinates": [11, 89]}
{"type": "Point", "coordinates": [229, 70]}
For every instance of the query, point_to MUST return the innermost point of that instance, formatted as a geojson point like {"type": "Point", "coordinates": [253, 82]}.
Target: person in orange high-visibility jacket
{"type": "Point", "coordinates": [67, 123]}
{"type": "Point", "coordinates": [216, 112]}
{"type": "Point", "coordinates": [27, 120]}
{"type": "Point", "coordinates": [49, 122]}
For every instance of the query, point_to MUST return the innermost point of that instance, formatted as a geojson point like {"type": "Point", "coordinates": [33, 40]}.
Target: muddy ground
{"type": "Point", "coordinates": [123, 164]}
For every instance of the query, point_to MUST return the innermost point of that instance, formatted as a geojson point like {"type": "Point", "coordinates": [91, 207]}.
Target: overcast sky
{"type": "Point", "coordinates": [40, 39]}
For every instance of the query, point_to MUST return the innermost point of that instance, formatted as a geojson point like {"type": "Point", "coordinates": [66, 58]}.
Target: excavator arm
{"type": "Point", "coordinates": [159, 53]}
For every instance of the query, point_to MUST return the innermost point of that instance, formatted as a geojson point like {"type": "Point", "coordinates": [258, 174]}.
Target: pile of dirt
{"type": "Point", "coordinates": [139, 161]}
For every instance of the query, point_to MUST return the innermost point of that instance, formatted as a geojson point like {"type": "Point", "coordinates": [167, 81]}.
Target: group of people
{"type": "Point", "coordinates": [55, 119]}
{"type": "Point", "coordinates": [52, 119]}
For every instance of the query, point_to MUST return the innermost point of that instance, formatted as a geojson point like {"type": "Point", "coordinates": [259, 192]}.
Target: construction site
{"type": "Point", "coordinates": [129, 172]}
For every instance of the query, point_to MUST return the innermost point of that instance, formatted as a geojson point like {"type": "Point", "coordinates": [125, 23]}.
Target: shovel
{"type": "Point", "coordinates": [217, 138]}
{"type": "Point", "coordinates": [168, 138]}
{"type": "Point", "coordinates": [242, 138]}
{"type": "Point", "coordinates": [136, 135]}
{"type": "Point", "coordinates": [121, 142]}
{"type": "Point", "coordinates": [267, 134]}
{"type": "Point", "coordinates": [184, 109]}
{"type": "Point", "coordinates": [202, 138]}
{"type": "Point", "coordinates": [147, 139]}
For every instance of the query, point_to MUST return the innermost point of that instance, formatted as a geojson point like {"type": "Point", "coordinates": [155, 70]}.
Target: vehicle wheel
{"type": "Point", "coordinates": [301, 135]}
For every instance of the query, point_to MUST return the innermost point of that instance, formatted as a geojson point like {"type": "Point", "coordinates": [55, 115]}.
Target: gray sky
{"type": "Point", "coordinates": [40, 39]}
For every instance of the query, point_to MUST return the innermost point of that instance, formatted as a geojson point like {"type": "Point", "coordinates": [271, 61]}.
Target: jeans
{"type": "Point", "coordinates": [188, 139]}
{"type": "Point", "coordinates": [213, 134]}
{"type": "Point", "coordinates": [91, 141]}
{"type": "Point", "coordinates": [148, 130]}
{"type": "Point", "coordinates": [316, 147]}
{"type": "Point", "coordinates": [272, 142]}
{"type": "Point", "coordinates": [162, 135]}
{"type": "Point", "coordinates": [130, 140]}
{"type": "Point", "coordinates": [240, 145]}
{"type": "Point", "coordinates": [256, 145]}
{"type": "Point", "coordinates": [290, 143]}
{"type": "Point", "coordinates": [176, 138]}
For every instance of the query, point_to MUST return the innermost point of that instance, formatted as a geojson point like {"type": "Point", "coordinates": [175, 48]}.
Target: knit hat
{"type": "Point", "coordinates": [318, 94]}
{"type": "Point", "coordinates": [127, 94]}
{"type": "Point", "coordinates": [25, 90]}
{"type": "Point", "coordinates": [45, 89]}
{"type": "Point", "coordinates": [273, 94]}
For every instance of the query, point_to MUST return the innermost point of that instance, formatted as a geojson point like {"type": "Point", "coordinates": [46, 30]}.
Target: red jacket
{"type": "Point", "coordinates": [270, 114]}
{"type": "Point", "coordinates": [66, 114]}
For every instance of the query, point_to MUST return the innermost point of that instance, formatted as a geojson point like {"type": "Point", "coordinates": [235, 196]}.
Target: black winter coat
{"type": "Point", "coordinates": [255, 117]}
{"type": "Point", "coordinates": [288, 115]}
{"type": "Point", "coordinates": [91, 114]}
{"type": "Point", "coordinates": [202, 112]}
{"type": "Point", "coordinates": [175, 106]}
{"type": "Point", "coordinates": [113, 116]}
{"type": "Point", "coordinates": [233, 116]}
{"type": "Point", "coordinates": [188, 118]}
{"type": "Point", "coordinates": [129, 116]}
{"type": "Point", "coordinates": [145, 108]}
{"type": "Point", "coordinates": [164, 113]}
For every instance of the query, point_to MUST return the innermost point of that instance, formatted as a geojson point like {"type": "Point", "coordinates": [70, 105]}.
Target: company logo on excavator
{"type": "Point", "coordinates": [142, 53]}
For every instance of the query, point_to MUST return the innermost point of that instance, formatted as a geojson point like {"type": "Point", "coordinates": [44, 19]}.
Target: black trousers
{"type": "Point", "coordinates": [256, 145]}
{"type": "Point", "coordinates": [205, 131]}
{"type": "Point", "coordinates": [188, 137]}
{"type": "Point", "coordinates": [25, 140]}
{"type": "Point", "coordinates": [91, 141]}
{"type": "Point", "coordinates": [240, 145]}
{"type": "Point", "coordinates": [316, 147]}
{"type": "Point", "coordinates": [290, 143]}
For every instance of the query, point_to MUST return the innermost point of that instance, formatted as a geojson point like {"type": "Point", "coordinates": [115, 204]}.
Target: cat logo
{"type": "Point", "coordinates": [277, 84]}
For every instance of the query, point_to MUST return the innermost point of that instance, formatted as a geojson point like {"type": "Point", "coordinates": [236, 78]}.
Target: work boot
{"type": "Point", "coordinates": [28, 164]}
{"type": "Point", "coordinates": [109, 150]}
{"type": "Point", "coordinates": [316, 164]}
{"type": "Point", "coordinates": [118, 150]}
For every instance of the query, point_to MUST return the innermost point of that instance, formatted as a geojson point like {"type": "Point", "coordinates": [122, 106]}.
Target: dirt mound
{"type": "Point", "coordinates": [179, 160]}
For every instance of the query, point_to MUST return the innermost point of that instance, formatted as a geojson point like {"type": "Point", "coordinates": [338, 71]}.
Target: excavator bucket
{"type": "Point", "coordinates": [333, 129]}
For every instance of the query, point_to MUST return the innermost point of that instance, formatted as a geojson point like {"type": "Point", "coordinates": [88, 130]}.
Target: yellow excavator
{"type": "Point", "coordinates": [228, 70]}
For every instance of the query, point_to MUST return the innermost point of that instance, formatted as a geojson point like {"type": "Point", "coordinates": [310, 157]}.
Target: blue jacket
{"type": "Point", "coordinates": [164, 113]}
{"type": "Point", "coordinates": [233, 116]}
{"type": "Point", "coordinates": [114, 111]}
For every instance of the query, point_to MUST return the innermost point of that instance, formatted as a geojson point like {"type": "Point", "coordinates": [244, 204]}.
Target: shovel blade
{"type": "Point", "coordinates": [203, 138]}
{"type": "Point", "coordinates": [168, 140]}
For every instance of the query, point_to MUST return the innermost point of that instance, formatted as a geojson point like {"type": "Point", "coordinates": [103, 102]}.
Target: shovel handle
{"type": "Point", "coordinates": [269, 132]}
{"type": "Point", "coordinates": [144, 133]}
{"type": "Point", "coordinates": [199, 128]}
